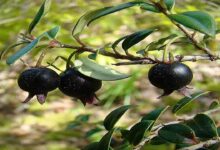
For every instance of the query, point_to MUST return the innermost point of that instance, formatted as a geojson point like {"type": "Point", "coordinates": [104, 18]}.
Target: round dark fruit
{"type": "Point", "coordinates": [170, 77]}
{"type": "Point", "coordinates": [38, 81]}
{"type": "Point", "coordinates": [75, 84]}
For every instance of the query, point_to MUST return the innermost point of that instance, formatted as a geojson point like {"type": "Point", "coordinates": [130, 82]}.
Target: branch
{"type": "Point", "coordinates": [155, 129]}
{"type": "Point", "coordinates": [188, 35]}
{"type": "Point", "coordinates": [205, 144]}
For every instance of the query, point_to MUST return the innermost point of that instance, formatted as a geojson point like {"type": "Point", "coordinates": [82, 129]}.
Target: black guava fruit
{"type": "Point", "coordinates": [38, 81]}
{"type": "Point", "coordinates": [75, 84]}
{"type": "Point", "coordinates": [170, 77]}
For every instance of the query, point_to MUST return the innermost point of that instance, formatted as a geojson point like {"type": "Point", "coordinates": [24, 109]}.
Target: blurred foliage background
{"type": "Point", "coordinates": [63, 123]}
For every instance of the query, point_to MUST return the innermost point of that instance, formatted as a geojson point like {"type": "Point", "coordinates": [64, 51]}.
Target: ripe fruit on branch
{"type": "Point", "coordinates": [38, 81]}
{"type": "Point", "coordinates": [75, 84]}
{"type": "Point", "coordinates": [170, 76]}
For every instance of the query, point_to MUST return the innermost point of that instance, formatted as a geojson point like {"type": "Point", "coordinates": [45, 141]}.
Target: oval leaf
{"type": "Point", "coordinates": [215, 104]}
{"type": "Point", "coordinates": [41, 12]}
{"type": "Point", "coordinates": [96, 71]}
{"type": "Point", "coordinates": [93, 15]}
{"type": "Point", "coordinates": [154, 115]}
{"type": "Point", "coordinates": [177, 133]}
{"type": "Point", "coordinates": [135, 38]}
{"type": "Point", "coordinates": [22, 52]}
{"type": "Point", "coordinates": [104, 143]}
{"type": "Point", "coordinates": [185, 101]}
{"type": "Point", "coordinates": [112, 118]}
{"type": "Point", "coordinates": [137, 132]}
{"type": "Point", "coordinates": [203, 126]}
{"type": "Point", "coordinates": [197, 20]}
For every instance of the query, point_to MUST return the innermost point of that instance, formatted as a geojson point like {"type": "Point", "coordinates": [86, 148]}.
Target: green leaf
{"type": "Point", "coordinates": [197, 20]}
{"type": "Point", "coordinates": [157, 141]}
{"type": "Point", "coordinates": [214, 104]}
{"type": "Point", "coordinates": [118, 41]}
{"type": "Point", "coordinates": [3, 52]}
{"type": "Point", "coordinates": [137, 132]}
{"type": "Point", "coordinates": [96, 71]}
{"type": "Point", "coordinates": [149, 7]}
{"type": "Point", "coordinates": [185, 101]}
{"type": "Point", "coordinates": [135, 38]}
{"type": "Point", "coordinates": [154, 115]}
{"type": "Point", "coordinates": [51, 34]}
{"type": "Point", "coordinates": [104, 143]}
{"type": "Point", "coordinates": [92, 146]}
{"type": "Point", "coordinates": [125, 146]}
{"type": "Point", "coordinates": [177, 133]}
{"type": "Point", "coordinates": [112, 118]}
{"type": "Point", "coordinates": [41, 12]}
{"type": "Point", "coordinates": [22, 52]}
{"type": "Point", "coordinates": [169, 4]}
{"type": "Point", "coordinates": [93, 15]}
{"type": "Point", "coordinates": [93, 131]}
{"type": "Point", "coordinates": [203, 126]}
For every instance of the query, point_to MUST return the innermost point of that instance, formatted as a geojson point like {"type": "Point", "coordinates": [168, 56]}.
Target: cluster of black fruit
{"type": "Point", "coordinates": [39, 81]}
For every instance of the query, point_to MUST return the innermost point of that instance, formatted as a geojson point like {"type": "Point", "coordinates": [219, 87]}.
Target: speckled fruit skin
{"type": "Point", "coordinates": [38, 80]}
{"type": "Point", "coordinates": [77, 85]}
{"type": "Point", "coordinates": [170, 77]}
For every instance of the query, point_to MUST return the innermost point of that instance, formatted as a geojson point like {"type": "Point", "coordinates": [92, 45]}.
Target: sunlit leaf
{"type": "Point", "coordinates": [112, 118]}
{"type": "Point", "coordinates": [41, 12]}
{"type": "Point", "coordinates": [96, 71]}
{"type": "Point", "coordinates": [197, 20]}
{"type": "Point", "coordinates": [185, 101]}
{"type": "Point", "coordinates": [203, 126]}
{"type": "Point", "coordinates": [93, 15]}
{"type": "Point", "coordinates": [177, 133]}
{"type": "Point", "coordinates": [135, 38]}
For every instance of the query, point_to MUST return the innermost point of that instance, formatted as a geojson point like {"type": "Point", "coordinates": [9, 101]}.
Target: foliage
{"type": "Point", "coordinates": [194, 28]}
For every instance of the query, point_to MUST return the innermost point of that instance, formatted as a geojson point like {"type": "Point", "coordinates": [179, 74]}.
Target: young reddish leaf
{"type": "Point", "coordinates": [177, 133]}
{"type": "Point", "coordinates": [41, 12]}
{"type": "Point", "coordinates": [203, 126]}
{"type": "Point", "coordinates": [185, 101]}
{"type": "Point", "coordinates": [96, 71]}
{"type": "Point", "coordinates": [196, 20]}
{"type": "Point", "coordinates": [112, 118]}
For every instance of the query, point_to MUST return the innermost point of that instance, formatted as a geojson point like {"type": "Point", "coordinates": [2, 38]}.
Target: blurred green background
{"type": "Point", "coordinates": [63, 123]}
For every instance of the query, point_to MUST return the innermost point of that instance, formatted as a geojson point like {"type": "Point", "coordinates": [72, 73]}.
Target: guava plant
{"type": "Point", "coordinates": [83, 76]}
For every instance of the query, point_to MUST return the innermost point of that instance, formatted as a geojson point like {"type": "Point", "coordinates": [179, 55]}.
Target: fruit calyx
{"type": "Point", "coordinates": [75, 84]}
{"type": "Point", "coordinates": [170, 76]}
{"type": "Point", "coordinates": [38, 81]}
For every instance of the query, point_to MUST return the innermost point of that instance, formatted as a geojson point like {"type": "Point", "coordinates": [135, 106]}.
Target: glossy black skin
{"type": "Point", "coordinates": [75, 84]}
{"type": "Point", "coordinates": [38, 80]}
{"type": "Point", "coordinates": [170, 77]}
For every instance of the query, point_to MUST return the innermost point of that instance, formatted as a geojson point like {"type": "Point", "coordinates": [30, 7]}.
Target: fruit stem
{"type": "Point", "coordinates": [41, 57]}
{"type": "Point", "coordinates": [69, 59]}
